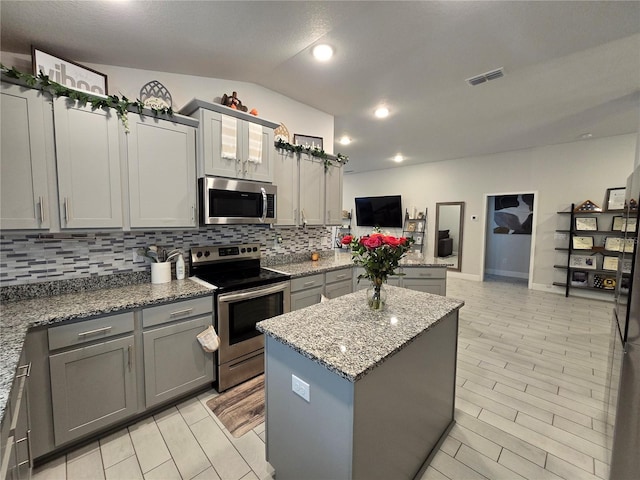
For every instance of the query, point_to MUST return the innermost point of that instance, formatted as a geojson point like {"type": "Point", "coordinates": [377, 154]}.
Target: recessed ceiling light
{"type": "Point", "coordinates": [322, 52]}
{"type": "Point", "coordinates": [398, 158]}
{"type": "Point", "coordinates": [344, 140]}
{"type": "Point", "coordinates": [381, 112]}
{"type": "Point", "coordinates": [584, 136]}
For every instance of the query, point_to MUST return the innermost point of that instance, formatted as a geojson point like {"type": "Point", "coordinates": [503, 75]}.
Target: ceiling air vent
{"type": "Point", "coordinates": [485, 77]}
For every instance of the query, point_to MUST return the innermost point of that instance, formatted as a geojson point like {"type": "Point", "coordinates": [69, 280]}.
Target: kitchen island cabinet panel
{"type": "Point", "coordinates": [162, 173]}
{"type": "Point", "coordinates": [24, 192]}
{"type": "Point", "coordinates": [174, 361]}
{"type": "Point", "coordinates": [88, 166]}
{"type": "Point", "coordinates": [92, 387]}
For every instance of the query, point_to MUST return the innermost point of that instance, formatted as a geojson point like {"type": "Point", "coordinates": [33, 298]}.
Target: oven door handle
{"type": "Point", "coordinates": [261, 292]}
{"type": "Point", "coordinates": [264, 204]}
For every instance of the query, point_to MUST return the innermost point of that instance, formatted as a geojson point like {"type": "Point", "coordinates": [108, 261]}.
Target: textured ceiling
{"type": "Point", "coordinates": [570, 67]}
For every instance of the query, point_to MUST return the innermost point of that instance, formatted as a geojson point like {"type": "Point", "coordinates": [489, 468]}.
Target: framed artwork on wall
{"type": "Point", "coordinates": [307, 141]}
{"type": "Point", "coordinates": [614, 200]}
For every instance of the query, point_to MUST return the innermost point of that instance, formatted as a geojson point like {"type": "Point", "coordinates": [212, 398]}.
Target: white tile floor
{"type": "Point", "coordinates": [529, 404]}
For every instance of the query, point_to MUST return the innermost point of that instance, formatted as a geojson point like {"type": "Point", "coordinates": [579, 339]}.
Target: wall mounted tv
{"type": "Point", "coordinates": [379, 211]}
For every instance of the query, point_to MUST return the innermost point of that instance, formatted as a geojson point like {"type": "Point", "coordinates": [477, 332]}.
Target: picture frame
{"type": "Point", "coordinates": [582, 261]}
{"type": "Point", "coordinates": [582, 243]}
{"type": "Point", "coordinates": [579, 278]}
{"type": "Point", "coordinates": [411, 227]}
{"type": "Point", "coordinates": [630, 225]}
{"type": "Point", "coordinates": [418, 240]}
{"type": "Point", "coordinates": [586, 223]}
{"type": "Point", "coordinates": [626, 265]}
{"type": "Point", "coordinates": [308, 141]}
{"type": "Point", "coordinates": [69, 73]}
{"type": "Point", "coordinates": [617, 224]}
{"type": "Point", "coordinates": [613, 244]}
{"type": "Point", "coordinates": [628, 245]}
{"type": "Point", "coordinates": [614, 200]}
{"type": "Point", "coordinates": [610, 263]}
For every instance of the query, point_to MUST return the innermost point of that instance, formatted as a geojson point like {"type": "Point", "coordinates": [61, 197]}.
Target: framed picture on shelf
{"type": "Point", "coordinates": [579, 279]}
{"type": "Point", "coordinates": [411, 227]}
{"type": "Point", "coordinates": [610, 263]}
{"type": "Point", "coordinates": [307, 141]}
{"type": "Point", "coordinates": [626, 265]}
{"type": "Point", "coordinates": [586, 223]}
{"type": "Point", "coordinates": [582, 243]}
{"type": "Point", "coordinates": [614, 201]}
{"type": "Point", "coordinates": [582, 261]}
{"type": "Point", "coordinates": [629, 245]}
{"type": "Point", "coordinates": [631, 225]}
{"type": "Point", "coordinates": [613, 244]}
{"type": "Point", "coordinates": [617, 224]}
{"type": "Point", "coordinates": [418, 240]}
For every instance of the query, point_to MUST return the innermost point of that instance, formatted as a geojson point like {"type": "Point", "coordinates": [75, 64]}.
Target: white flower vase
{"type": "Point", "coordinates": [161, 272]}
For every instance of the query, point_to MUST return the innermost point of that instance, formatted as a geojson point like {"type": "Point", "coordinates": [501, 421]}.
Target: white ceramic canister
{"type": "Point", "coordinates": [160, 272]}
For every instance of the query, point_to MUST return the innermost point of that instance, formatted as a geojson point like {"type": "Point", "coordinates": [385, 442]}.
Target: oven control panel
{"type": "Point", "coordinates": [221, 253]}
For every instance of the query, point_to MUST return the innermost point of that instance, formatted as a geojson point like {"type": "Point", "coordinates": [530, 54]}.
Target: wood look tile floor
{"type": "Point", "coordinates": [529, 404]}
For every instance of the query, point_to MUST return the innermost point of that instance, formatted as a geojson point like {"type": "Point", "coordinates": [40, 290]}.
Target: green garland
{"type": "Point", "coordinates": [120, 105]}
{"type": "Point", "coordinates": [340, 159]}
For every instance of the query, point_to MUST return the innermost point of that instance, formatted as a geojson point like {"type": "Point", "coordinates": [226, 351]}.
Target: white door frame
{"type": "Point", "coordinates": [534, 224]}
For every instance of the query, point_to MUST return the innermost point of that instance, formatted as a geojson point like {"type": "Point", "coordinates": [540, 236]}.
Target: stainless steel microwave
{"type": "Point", "coordinates": [228, 201]}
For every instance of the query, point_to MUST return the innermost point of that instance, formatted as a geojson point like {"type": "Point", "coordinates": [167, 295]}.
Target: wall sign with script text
{"type": "Point", "coordinates": [68, 73]}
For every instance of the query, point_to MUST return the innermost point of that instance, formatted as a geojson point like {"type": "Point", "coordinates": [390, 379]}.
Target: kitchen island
{"type": "Point", "coordinates": [352, 393]}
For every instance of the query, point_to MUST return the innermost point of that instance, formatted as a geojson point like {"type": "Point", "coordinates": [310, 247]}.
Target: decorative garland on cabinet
{"type": "Point", "coordinates": [120, 105]}
{"type": "Point", "coordinates": [329, 160]}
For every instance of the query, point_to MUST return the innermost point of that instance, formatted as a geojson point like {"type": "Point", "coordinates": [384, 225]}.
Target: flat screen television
{"type": "Point", "coordinates": [379, 211]}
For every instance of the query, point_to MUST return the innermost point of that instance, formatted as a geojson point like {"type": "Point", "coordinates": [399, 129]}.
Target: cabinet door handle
{"type": "Point", "coordinates": [338, 277]}
{"type": "Point", "coordinates": [26, 373]}
{"type": "Point", "coordinates": [66, 209]}
{"type": "Point", "coordinates": [41, 203]}
{"type": "Point", "coordinates": [193, 213]}
{"type": "Point", "coordinates": [425, 274]}
{"type": "Point", "coordinates": [308, 284]}
{"type": "Point", "coordinates": [129, 356]}
{"type": "Point", "coordinates": [180, 313]}
{"type": "Point", "coordinates": [95, 332]}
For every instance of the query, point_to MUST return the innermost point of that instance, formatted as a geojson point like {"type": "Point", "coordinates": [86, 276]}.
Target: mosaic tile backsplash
{"type": "Point", "coordinates": [42, 258]}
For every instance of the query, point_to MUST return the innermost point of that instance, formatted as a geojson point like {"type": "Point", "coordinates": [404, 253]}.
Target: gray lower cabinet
{"type": "Point", "coordinates": [307, 291]}
{"type": "Point", "coordinates": [306, 298]}
{"type": "Point", "coordinates": [15, 443]}
{"type": "Point", "coordinates": [92, 387]}
{"type": "Point", "coordinates": [338, 282]}
{"type": "Point", "coordinates": [424, 279]}
{"type": "Point", "coordinates": [174, 361]}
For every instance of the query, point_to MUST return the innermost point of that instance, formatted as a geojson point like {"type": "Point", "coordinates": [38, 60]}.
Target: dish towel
{"type": "Point", "coordinates": [255, 143]}
{"type": "Point", "coordinates": [229, 135]}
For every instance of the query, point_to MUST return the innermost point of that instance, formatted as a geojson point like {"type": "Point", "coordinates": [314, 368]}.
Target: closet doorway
{"type": "Point", "coordinates": [509, 238]}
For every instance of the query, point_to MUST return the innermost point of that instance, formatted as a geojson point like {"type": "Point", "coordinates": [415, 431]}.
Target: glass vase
{"type": "Point", "coordinates": [376, 297]}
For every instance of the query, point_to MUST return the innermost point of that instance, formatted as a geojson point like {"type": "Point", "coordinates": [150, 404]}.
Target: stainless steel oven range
{"type": "Point", "coordinates": [245, 294]}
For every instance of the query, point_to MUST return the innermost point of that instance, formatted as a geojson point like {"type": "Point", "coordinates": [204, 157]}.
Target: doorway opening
{"type": "Point", "coordinates": [509, 237]}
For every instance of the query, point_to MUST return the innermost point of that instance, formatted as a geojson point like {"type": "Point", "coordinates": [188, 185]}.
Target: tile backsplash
{"type": "Point", "coordinates": [40, 258]}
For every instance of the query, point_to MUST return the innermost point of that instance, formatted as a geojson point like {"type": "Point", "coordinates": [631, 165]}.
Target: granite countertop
{"type": "Point", "coordinates": [348, 338]}
{"type": "Point", "coordinates": [18, 317]}
{"type": "Point", "coordinates": [343, 259]}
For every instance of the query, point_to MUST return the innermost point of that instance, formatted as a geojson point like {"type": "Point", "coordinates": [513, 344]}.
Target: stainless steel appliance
{"type": "Point", "coordinates": [245, 294]}
{"type": "Point", "coordinates": [228, 201]}
{"type": "Point", "coordinates": [624, 360]}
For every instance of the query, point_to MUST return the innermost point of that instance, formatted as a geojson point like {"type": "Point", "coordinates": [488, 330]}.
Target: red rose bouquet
{"type": "Point", "coordinates": [379, 255]}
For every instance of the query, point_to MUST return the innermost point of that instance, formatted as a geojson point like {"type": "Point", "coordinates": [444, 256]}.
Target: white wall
{"type": "Point", "coordinates": [561, 174]}
{"type": "Point", "coordinates": [297, 117]}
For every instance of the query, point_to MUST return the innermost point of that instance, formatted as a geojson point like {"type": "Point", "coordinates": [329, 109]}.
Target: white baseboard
{"type": "Point", "coordinates": [507, 273]}
{"type": "Point", "coordinates": [464, 276]}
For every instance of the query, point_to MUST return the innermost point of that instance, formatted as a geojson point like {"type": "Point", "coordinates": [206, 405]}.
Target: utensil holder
{"type": "Point", "coordinates": [161, 272]}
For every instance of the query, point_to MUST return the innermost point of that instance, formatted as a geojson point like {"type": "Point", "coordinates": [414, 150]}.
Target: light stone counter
{"type": "Point", "coordinates": [18, 317]}
{"type": "Point", "coordinates": [348, 338]}
{"type": "Point", "coordinates": [377, 388]}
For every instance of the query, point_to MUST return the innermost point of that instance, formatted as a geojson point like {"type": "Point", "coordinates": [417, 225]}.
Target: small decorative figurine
{"type": "Point", "coordinates": [233, 102]}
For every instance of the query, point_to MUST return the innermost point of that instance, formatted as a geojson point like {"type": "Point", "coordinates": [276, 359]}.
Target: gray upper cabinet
{"type": "Point", "coordinates": [333, 195]}
{"type": "Point", "coordinates": [311, 191]}
{"type": "Point", "coordinates": [24, 194]}
{"type": "Point", "coordinates": [161, 158]}
{"type": "Point", "coordinates": [88, 165]}
{"type": "Point", "coordinates": [285, 176]}
{"type": "Point", "coordinates": [210, 158]}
